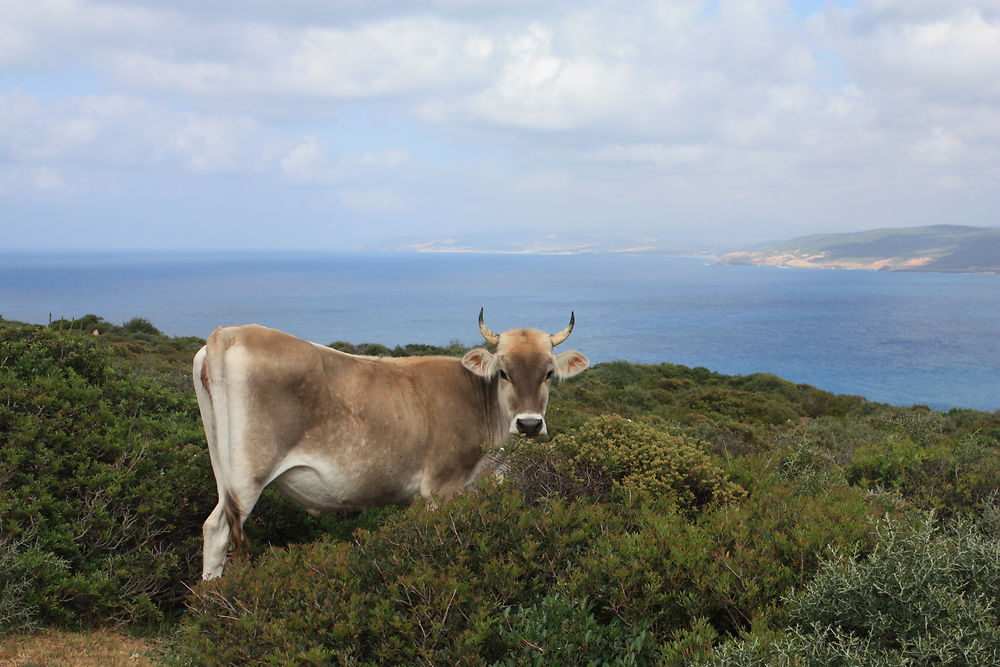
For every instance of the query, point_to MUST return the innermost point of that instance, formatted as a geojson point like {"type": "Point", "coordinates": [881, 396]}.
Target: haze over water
{"type": "Point", "coordinates": [900, 338]}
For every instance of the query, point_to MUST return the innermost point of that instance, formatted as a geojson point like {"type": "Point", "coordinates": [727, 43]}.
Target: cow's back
{"type": "Point", "coordinates": [373, 428]}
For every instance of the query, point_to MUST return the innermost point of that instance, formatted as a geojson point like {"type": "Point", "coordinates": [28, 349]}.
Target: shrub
{"type": "Point", "coordinates": [728, 567]}
{"type": "Point", "coordinates": [953, 477]}
{"type": "Point", "coordinates": [139, 325]}
{"type": "Point", "coordinates": [105, 481]}
{"type": "Point", "coordinates": [922, 596]}
{"type": "Point", "coordinates": [86, 324]}
{"type": "Point", "coordinates": [19, 600]}
{"type": "Point", "coordinates": [557, 630]}
{"type": "Point", "coordinates": [610, 457]}
{"type": "Point", "coordinates": [453, 349]}
{"type": "Point", "coordinates": [425, 587]}
{"type": "Point", "coordinates": [100, 472]}
{"type": "Point", "coordinates": [484, 577]}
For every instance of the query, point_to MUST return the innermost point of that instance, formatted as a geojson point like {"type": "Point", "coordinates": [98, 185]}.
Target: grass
{"type": "Point", "coordinates": [91, 648]}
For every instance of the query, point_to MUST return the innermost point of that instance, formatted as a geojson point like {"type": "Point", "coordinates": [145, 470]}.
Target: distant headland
{"type": "Point", "coordinates": [937, 248]}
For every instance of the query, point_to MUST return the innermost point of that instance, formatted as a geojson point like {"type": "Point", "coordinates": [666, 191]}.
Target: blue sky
{"type": "Point", "coordinates": [312, 124]}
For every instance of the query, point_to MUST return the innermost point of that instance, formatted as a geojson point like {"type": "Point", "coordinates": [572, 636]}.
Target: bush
{"type": "Point", "coordinates": [728, 567]}
{"type": "Point", "coordinates": [484, 577]}
{"type": "Point", "coordinates": [953, 477]}
{"type": "Point", "coordinates": [139, 325]}
{"type": "Point", "coordinates": [613, 458]}
{"type": "Point", "coordinates": [557, 630]}
{"type": "Point", "coordinates": [19, 600]}
{"type": "Point", "coordinates": [99, 474]}
{"type": "Point", "coordinates": [425, 587]}
{"type": "Point", "coordinates": [86, 324]}
{"type": "Point", "coordinates": [922, 596]}
{"type": "Point", "coordinates": [453, 349]}
{"type": "Point", "coordinates": [105, 475]}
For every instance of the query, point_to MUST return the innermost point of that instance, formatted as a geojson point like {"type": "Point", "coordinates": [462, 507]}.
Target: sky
{"type": "Point", "coordinates": [342, 124]}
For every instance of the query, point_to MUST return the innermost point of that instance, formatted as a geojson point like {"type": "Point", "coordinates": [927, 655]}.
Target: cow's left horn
{"type": "Point", "coordinates": [564, 334]}
{"type": "Point", "coordinates": [490, 337]}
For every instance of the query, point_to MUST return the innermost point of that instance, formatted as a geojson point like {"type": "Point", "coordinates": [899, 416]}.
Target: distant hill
{"type": "Point", "coordinates": [532, 242]}
{"type": "Point", "coordinates": [942, 248]}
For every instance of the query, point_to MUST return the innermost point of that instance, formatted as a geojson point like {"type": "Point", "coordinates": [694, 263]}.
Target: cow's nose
{"type": "Point", "coordinates": [528, 425]}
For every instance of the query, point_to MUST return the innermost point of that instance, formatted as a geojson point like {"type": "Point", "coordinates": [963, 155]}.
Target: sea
{"type": "Point", "coordinates": [900, 338]}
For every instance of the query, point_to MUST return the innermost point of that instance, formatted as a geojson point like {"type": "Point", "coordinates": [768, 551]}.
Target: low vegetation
{"type": "Point", "coordinates": [675, 516]}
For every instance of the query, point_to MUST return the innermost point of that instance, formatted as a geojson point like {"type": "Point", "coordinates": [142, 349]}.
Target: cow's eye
{"type": "Point", "coordinates": [503, 376]}
{"type": "Point", "coordinates": [548, 376]}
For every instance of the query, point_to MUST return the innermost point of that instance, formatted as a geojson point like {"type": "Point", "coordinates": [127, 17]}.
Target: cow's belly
{"type": "Point", "coordinates": [324, 486]}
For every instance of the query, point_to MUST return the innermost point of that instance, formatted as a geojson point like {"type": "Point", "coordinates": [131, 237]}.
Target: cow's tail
{"type": "Point", "coordinates": [216, 405]}
{"type": "Point", "coordinates": [234, 517]}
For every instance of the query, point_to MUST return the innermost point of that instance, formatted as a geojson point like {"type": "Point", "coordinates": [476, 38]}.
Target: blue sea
{"type": "Point", "coordinates": [900, 338]}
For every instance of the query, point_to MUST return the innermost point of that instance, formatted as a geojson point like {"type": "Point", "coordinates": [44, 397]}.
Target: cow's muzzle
{"type": "Point", "coordinates": [528, 424]}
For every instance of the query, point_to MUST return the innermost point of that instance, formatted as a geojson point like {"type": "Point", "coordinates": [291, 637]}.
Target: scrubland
{"type": "Point", "coordinates": [675, 516]}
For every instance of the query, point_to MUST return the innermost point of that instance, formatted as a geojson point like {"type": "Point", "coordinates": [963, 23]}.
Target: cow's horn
{"type": "Point", "coordinates": [564, 334]}
{"type": "Point", "coordinates": [487, 334]}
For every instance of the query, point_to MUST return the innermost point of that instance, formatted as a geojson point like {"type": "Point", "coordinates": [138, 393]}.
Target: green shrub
{"type": "Point", "coordinates": [99, 471]}
{"type": "Point", "coordinates": [485, 576]}
{"type": "Point", "coordinates": [453, 349]}
{"type": "Point", "coordinates": [953, 477]}
{"type": "Point", "coordinates": [86, 324]}
{"type": "Point", "coordinates": [139, 325]}
{"type": "Point", "coordinates": [557, 630]}
{"type": "Point", "coordinates": [613, 458]}
{"type": "Point", "coordinates": [20, 563]}
{"type": "Point", "coordinates": [729, 566]}
{"type": "Point", "coordinates": [104, 472]}
{"type": "Point", "coordinates": [424, 587]}
{"type": "Point", "coordinates": [922, 596]}
{"type": "Point", "coordinates": [640, 460]}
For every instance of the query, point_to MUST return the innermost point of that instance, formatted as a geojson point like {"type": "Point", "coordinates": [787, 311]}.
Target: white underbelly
{"type": "Point", "coordinates": [322, 486]}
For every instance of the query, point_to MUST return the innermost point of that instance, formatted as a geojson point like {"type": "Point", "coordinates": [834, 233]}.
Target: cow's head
{"type": "Point", "coordinates": [524, 366]}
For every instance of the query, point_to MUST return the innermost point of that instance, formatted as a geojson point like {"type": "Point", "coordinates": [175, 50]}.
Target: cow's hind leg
{"type": "Point", "coordinates": [216, 533]}
{"type": "Point", "coordinates": [224, 526]}
{"type": "Point", "coordinates": [224, 529]}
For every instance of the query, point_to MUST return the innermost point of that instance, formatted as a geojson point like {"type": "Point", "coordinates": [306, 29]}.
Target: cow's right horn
{"type": "Point", "coordinates": [490, 337]}
{"type": "Point", "coordinates": [564, 334]}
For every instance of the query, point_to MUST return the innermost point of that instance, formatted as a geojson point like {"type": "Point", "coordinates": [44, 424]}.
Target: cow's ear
{"type": "Point", "coordinates": [480, 361]}
{"type": "Point", "coordinates": [571, 362]}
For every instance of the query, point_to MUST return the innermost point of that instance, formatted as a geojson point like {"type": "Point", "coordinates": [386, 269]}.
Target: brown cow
{"type": "Point", "coordinates": [336, 431]}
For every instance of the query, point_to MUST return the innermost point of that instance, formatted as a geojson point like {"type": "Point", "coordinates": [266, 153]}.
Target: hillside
{"type": "Point", "coordinates": [675, 516]}
{"type": "Point", "coordinates": [938, 248]}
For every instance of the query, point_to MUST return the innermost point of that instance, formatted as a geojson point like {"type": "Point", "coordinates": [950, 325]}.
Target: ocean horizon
{"type": "Point", "coordinates": [899, 338]}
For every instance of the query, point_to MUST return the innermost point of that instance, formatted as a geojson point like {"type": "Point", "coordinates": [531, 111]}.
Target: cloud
{"type": "Point", "coordinates": [396, 57]}
{"type": "Point", "coordinates": [309, 163]}
{"type": "Point", "coordinates": [651, 153]}
{"type": "Point", "coordinates": [545, 181]}
{"type": "Point", "coordinates": [741, 110]}
{"type": "Point", "coordinates": [371, 199]}
{"type": "Point", "coordinates": [935, 51]}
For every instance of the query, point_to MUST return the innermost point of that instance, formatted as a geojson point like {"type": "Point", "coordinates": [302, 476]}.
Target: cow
{"type": "Point", "coordinates": [335, 431]}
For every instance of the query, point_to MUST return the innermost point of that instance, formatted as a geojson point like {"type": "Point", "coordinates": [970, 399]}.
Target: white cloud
{"type": "Point", "coordinates": [585, 105]}
{"type": "Point", "coordinates": [117, 131]}
{"type": "Point", "coordinates": [395, 57]}
{"type": "Point", "coordinates": [306, 162]}
{"type": "Point", "coordinates": [545, 181]}
{"type": "Point", "coordinates": [940, 148]}
{"type": "Point", "coordinates": [310, 162]}
{"type": "Point", "coordinates": [371, 199]}
{"type": "Point", "coordinates": [936, 50]}
{"type": "Point", "coordinates": [651, 153]}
